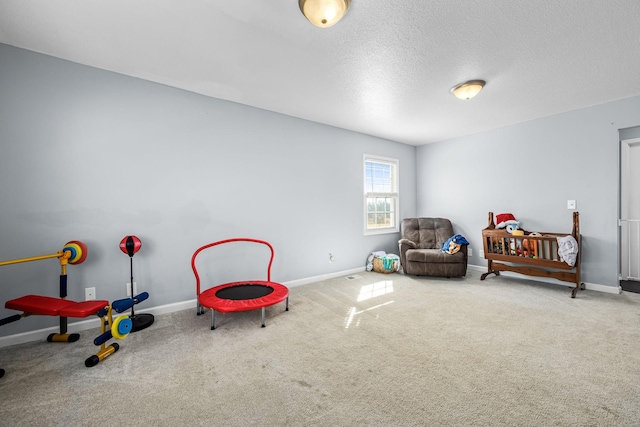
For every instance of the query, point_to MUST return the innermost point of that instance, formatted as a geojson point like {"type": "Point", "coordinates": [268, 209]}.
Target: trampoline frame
{"type": "Point", "coordinates": [209, 299]}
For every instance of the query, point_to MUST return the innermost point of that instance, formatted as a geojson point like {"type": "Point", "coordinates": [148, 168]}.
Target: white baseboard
{"type": "Point", "coordinates": [42, 334]}
{"type": "Point", "coordinates": [603, 288]}
{"type": "Point", "coordinates": [93, 323]}
{"type": "Point", "coordinates": [588, 286]}
{"type": "Point", "coordinates": [313, 279]}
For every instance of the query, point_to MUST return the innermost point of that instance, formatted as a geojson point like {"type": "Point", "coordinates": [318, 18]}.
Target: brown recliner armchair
{"type": "Point", "coordinates": [421, 248]}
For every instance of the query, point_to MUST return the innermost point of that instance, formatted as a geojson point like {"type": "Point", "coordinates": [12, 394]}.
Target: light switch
{"type": "Point", "coordinates": [571, 204]}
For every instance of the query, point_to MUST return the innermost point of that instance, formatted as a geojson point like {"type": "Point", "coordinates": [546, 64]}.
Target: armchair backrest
{"type": "Point", "coordinates": [427, 233]}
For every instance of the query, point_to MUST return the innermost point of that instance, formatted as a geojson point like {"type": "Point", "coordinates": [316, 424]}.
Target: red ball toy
{"type": "Point", "coordinates": [130, 245]}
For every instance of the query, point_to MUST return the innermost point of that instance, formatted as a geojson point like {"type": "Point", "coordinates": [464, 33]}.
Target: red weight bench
{"type": "Point", "coordinates": [49, 306]}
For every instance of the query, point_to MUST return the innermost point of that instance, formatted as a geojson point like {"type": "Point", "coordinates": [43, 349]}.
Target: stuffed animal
{"type": "Point", "coordinates": [508, 222]}
{"type": "Point", "coordinates": [530, 246]}
{"type": "Point", "coordinates": [454, 243]}
{"type": "Point", "coordinates": [453, 247]}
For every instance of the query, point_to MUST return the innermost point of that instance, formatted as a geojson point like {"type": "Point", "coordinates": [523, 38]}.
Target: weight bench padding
{"type": "Point", "coordinates": [49, 306]}
{"type": "Point", "coordinates": [38, 304]}
{"type": "Point", "coordinates": [83, 309]}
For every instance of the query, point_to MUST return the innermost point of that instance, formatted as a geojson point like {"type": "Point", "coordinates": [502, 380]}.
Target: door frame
{"type": "Point", "coordinates": [624, 148]}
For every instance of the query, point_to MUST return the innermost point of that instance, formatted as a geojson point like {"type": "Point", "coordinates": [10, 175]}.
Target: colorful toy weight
{"type": "Point", "coordinates": [78, 251]}
{"type": "Point", "coordinates": [121, 327]}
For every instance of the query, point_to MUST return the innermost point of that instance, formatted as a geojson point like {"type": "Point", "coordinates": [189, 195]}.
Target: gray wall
{"type": "Point", "coordinates": [531, 170]}
{"type": "Point", "coordinates": [94, 156]}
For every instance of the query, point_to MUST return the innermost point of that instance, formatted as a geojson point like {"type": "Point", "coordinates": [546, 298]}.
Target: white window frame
{"type": "Point", "coordinates": [393, 193]}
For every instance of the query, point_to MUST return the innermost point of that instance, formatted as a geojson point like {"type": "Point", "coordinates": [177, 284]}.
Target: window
{"type": "Point", "coordinates": [380, 195]}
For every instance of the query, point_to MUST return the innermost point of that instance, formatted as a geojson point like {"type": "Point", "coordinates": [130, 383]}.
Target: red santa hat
{"type": "Point", "coordinates": [505, 219]}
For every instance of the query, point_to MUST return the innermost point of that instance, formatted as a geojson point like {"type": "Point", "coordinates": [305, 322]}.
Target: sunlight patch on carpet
{"type": "Point", "coordinates": [353, 312]}
{"type": "Point", "coordinates": [375, 289]}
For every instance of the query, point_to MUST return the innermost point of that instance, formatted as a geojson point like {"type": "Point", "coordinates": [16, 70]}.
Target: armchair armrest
{"type": "Point", "coordinates": [407, 242]}
{"type": "Point", "coordinates": [404, 245]}
{"type": "Point", "coordinates": [464, 248]}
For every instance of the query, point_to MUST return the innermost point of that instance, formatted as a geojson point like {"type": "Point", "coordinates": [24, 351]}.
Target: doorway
{"type": "Point", "coordinates": [629, 222]}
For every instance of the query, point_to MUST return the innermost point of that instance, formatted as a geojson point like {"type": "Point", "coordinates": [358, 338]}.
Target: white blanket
{"type": "Point", "coordinates": [568, 249]}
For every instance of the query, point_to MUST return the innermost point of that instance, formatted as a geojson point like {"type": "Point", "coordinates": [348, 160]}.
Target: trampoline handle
{"type": "Point", "coordinates": [220, 242]}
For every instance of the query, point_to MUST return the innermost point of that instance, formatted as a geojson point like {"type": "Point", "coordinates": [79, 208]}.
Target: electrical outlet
{"type": "Point", "coordinates": [481, 253]}
{"type": "Point", "coordinates": [89, 294]}
{"type": "Point", "coordinates": [470, 251]}
{"type": "Point", "coordinates": [571, 204]}
{"type": "Point", "coordinates": [135, 289]}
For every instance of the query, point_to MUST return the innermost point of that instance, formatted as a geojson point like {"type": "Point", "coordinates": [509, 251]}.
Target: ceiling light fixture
{"type": "Point", "coordinates": [324, 13]}
{"type": "Point", "coordinates": [468, 90]}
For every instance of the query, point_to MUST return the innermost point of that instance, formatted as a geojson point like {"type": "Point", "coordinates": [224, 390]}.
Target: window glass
{"type": "Point", "coordinates": [380, 194]}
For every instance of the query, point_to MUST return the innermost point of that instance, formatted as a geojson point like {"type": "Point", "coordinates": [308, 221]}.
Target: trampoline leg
{"type": "Point", "coordinates": [263, 325]}
{"type": "Point", "coordinates": [213, 319]}
{"type": "Point", "coordinates": [287, 305]}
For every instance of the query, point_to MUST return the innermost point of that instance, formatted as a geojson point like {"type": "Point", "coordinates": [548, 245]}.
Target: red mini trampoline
{"type": "Point", "coordinates": [239, 296]}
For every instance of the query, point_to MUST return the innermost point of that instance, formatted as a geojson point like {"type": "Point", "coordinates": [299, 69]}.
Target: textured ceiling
{"type": "Point", "coordinates": [384, 70]}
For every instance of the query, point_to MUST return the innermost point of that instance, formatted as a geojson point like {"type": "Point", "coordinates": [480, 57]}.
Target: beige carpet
{"type": "Point", "coordinates": [379, 350]}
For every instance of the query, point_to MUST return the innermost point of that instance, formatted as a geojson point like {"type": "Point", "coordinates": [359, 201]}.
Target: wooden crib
{"type": "Point", "coordinates": [530, 255]}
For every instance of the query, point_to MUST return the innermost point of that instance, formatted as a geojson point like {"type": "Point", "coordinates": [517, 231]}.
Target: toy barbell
{"type": "Point", "coordinates": [74, 252]}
